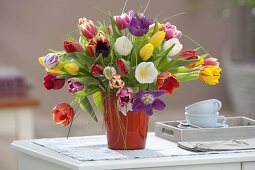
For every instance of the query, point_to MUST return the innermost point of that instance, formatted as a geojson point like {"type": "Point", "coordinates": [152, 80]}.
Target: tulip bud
{"type": "Point", "coordinates": [146, 51]}
{"type": "Point", "coordinates": [157, 38]}
{"type": "Point", "coordinates": [211, 62]}
{"type": "Point", "coordinates": [87, 28]}
{"type": "Point", "coordinates": [51, 82]}
{"type": "Point", "coordinates": [96, 70]}
{"type": "Point", "coordinates": [72, 68]}
{"type": "Point", "coordinates": [122, 67]}
{"type": "Point", "coordinates": [71, 47]}
{"type": "Point", "coordinates": [51, 60]}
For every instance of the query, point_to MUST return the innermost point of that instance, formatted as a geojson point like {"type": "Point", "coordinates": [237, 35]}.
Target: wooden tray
{"type": "Point", "coordinates": [238, 128]}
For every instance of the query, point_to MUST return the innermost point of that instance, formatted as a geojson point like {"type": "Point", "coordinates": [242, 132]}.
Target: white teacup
{"type": "Point", "coordinates": [210, 106]}
{"type": "Point", "coordinates": [206, 121]}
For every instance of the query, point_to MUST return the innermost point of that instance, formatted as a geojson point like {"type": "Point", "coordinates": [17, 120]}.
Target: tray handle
{"type": "Point", "coordinates": [167, 132]}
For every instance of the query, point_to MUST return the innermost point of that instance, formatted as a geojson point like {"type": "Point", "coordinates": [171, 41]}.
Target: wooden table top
{"type": "Point", "coordinates": [6, 102]}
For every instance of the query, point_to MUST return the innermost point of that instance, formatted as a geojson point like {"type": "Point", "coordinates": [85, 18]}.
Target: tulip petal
{"type": "Point", "coordinates": [158, 104]}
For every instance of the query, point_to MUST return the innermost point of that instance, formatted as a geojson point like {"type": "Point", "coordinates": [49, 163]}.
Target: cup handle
{"type": "Point", "coordinates": [224, 120]}
{"type": "Point", "coordinates": [219, 105]}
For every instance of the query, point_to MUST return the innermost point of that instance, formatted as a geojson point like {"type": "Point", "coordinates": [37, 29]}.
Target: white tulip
{"type": "Point", "coordinates": [123, 46]}
{"type": "Point", "coordinates": [146, 72]}
{"type": "Point", "coordinates": [109, 72]}
{"type": "Point", "coordinates": [176, 49]}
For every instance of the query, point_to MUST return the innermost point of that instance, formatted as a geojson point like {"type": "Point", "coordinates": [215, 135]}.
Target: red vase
{"type": "Point", "coordinates": [124, 132]}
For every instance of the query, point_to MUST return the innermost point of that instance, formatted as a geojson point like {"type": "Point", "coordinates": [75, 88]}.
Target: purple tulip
{"type": "Point", "coordinates": [147, 100]}
{"type": "Point", "coordinates": [74, 86]}
{"type": "Point", "coordinates": [139, 25]}
{"type": "Point", "coordinates": [51, 60]}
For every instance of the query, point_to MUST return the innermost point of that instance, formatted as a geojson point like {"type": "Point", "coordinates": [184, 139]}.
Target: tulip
{"type": "Point", "coordinates": [123, 46]}
{"type": "Point", "coordinates": [139, 25]}
{"type": "Point", "coordinates": [176, 49]}
{"type": "Point", "coordinates": [152, 26]}
{"type": "Point", "coordinates": [146, 51]}
{"type": "Point", "coordinates": [109, 72]}
{"type": "Point", "coordinates": [51, 82]}
{"type": "Point", "coordinates": [210, 74]}
{"type": "Point", "coordinates": [116, 82]}
{"type": "Point", "coordinates": [71, 47]}
{"type": "Point", "coordinates": [96, 70]}
{"type": "Point", "coordinates": [168, 82]}
{"type": "Point", "coordinates": [123, 20]}
{"type": "Point", "coordinates": [99, 45]}
{"type": "Point", "coordinates": [72, 68]}
{"type": "Point", "coordinates": [211, 62]}
{"type": "Point", "coordinates": [51, 60]}
{"type": "Point", "coordinates": [157, 38]}
{"type": "Point", "coordinates": [146, 72]}
{"type": "Point", "coordinates": [74, 86]}
{"type": "Point", "coordinates": [122, 67]}
{"type": "Point", "coordinates": [87, 28]}
{"type": "Point", "coordinates": [125, 99]}
{"type": "Point", "coordinates": [147, 100]}
{"type": "Point", "coordinates": [191, 55]}
{"type": "Point", "coordinates": [171, 31]}
{"type": "Point", "coordinates": [91, 47]}
{"type": "Point", "coordinates": [63, 114]}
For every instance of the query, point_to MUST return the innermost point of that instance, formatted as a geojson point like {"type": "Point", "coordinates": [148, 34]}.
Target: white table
{"type": "Point", "coordinates": [17, 116]}
{"type": "Point", "coordinates": [35, 157]}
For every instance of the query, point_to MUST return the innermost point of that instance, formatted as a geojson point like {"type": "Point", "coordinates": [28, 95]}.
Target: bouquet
{"type": "Point", "coordinates": [136, 59]}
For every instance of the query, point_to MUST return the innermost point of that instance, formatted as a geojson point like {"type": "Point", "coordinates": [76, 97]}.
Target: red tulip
{"type": "Point", "coordinates": [51, 82]}
{"type": "Point", "coordinates": [63, 114]}
{"type": "Point", "coordinates": [122, 67]}
{"type": "Point", "coordinates": [168, 82]}
{"type": "Point", "coordinates": [71, 47]}
{"type": "Point", "coordinates": [96, 70]}
{"type": "Point", "coordinates": [190, 55]}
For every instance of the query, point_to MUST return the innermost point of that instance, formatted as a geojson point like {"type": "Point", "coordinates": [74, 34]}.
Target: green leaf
{"type": "Point", "coordinates": [57, 52]}
{"type": "Point", "coordinates": [90, 89]}
{"type": "Point", "coordinates": [162, 54]}
{"type": "Point", "coordinates": [86, 106]}
{"type": "Point", "coordinates": [85, 59]}
{"type": "Point", "coordinates": [115, 30]}
{"type": "Point", "coordinates": [175, 63]}
{"type": "Point", "coordinates": [87, 80]}
{"type": "Point", "coordinates": [64, 76]}
{"type": "Point", "coordinates": [98, 101]}
{"type": "Point", "coordinates": [82, 40]}
{"type": "Point", "coordinates": [187, 77]}
{"type": "Point", "coordinates": [155, 27]}
{"type": "Point", "coordinates": [69, 38]}
{"type": "Point", "coordinates": [204, 55]}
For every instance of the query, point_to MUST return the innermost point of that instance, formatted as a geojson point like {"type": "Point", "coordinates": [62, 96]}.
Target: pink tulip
{"type": "Point", "coordinates": [96, 70]}
{"type": "Point", "coordinates": [125, 96]}
{"type": "Point", "coordinates": [123, 20]}
{"type": "Point", "coordinates": [211, 62]}
{"type": "Point", "coordinates": [122, 67]}
{"type": "Point", "coordinates": [171, 31]}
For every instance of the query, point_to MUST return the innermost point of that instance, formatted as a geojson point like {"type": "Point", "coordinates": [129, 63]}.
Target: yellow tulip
{"type": "Point", "coordinates": [72, 68]}
{"type": "Point", "coordinates": [160, 26]}
{"type": "Point", "coordinates": [146, 51]}
{"type": "Point", "coordinates": [210, 74]}
{"type": "Point", "coordinates": [157, 38]}
{"type": "Point", "coordinates": [41, 60]}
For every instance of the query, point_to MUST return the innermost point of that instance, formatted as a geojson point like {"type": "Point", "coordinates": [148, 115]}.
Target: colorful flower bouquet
{"type": "Point", "coordinates": [125, 66]}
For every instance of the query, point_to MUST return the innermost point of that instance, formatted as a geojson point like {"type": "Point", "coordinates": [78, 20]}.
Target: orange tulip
{"type": "Point", "coordinates": [63, 114]}
{"type": "Point", "coordinates": [168, 82]}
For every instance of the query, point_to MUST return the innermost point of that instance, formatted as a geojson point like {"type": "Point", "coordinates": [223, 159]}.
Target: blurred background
{"type": "Point", "coordinates": [28, 28]}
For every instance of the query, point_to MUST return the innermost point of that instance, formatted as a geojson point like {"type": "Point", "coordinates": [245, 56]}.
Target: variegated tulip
{"type": "Point", "coordinates": [87, 28]}
{"type": "Point", "coordinates": [211, 62]}
{"type": "Point", "coordinates": [116, 82]}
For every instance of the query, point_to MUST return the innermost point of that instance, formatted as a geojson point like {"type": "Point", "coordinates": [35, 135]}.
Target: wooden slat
{"type": "Point", "coordinates": [7, 102]}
